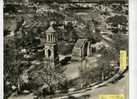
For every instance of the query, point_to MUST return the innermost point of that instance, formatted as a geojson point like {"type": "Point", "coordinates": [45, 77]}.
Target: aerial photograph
{"type": "Point", "coordinates": [65, 49]}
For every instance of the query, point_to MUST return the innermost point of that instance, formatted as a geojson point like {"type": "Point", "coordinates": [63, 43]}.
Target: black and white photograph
{"type": "Point", "coordinates": [66, 49]}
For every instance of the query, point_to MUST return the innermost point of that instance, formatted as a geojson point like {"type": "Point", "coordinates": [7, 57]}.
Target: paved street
{"type": "Point", "coordinates": [120, 87]}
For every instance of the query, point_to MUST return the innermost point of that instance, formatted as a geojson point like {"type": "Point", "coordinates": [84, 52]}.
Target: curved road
{"type": "Point", "coordinates": [120, 87]}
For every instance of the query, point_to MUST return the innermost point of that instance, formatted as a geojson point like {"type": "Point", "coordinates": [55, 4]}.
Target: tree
{"type": "Point", "coordinates": [105, 69]}
{"type": "Point", "coordinates": [14, 60]}
{"type": "Point", "coordinates": [13, 65]}
{"type": "Point", "coordinates": [120, 42]}
{"type": "Point", "coordinates": [47, 75]}
{"type": "Point", "coordinates": [89, 73]}
{"type": "Point", "coordinates": [115, 20]}
{"type": "Point", "coordinates": [107, 55]}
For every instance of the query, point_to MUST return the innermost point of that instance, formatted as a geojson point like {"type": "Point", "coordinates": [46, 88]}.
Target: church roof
{"type": "Point", "coordinates": [50, 29]}
{"type": "Point", "coordinates": [80, 43]}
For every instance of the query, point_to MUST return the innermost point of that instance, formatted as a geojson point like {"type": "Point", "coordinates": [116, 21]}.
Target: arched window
{"type": "Point", "coordinates": [48, 38]}
{"type": "Point", "coordinates": [51, 38]}
{"type": "Point", "coordinates": [49, 53]}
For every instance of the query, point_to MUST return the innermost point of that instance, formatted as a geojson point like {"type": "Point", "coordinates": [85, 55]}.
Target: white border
{"type": "Point", "coordinates": [1, 49]}
{"type": "Point", "coordinates": [132, 49]}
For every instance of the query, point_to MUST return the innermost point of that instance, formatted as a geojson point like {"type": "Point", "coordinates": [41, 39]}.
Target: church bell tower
{"type": "Point", "coordinates": [51, 49]}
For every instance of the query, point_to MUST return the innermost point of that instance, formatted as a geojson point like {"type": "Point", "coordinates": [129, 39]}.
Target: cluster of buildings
{"type": "Point", "coordinates": [81, 49]}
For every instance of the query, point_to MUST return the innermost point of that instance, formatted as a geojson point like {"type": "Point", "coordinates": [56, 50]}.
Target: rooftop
{"type": "Point", "coordinates": [80, 43]}
{"type": "Point", "coordinates": [50, 30]}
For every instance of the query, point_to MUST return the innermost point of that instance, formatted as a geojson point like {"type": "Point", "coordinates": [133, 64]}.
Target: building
{"type": "Point", "coordinates": [81, 49]}
{"type": "Point", "coordinates": [51, 52]}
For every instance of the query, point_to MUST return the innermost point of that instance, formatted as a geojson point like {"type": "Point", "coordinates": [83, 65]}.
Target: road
{"type": "Point", "coordinates": [120, 87]}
